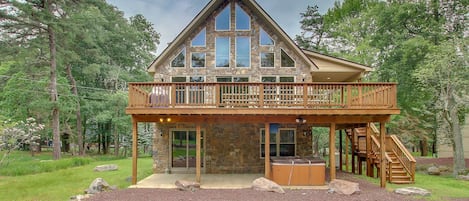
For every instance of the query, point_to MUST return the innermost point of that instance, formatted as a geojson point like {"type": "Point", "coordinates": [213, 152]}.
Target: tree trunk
{"type": "Point", "coordinates": [53, 90]}
{"type": "Point", "coordinates": [458, 149]}
{"type": "Point", "coordinates": [423, 147]}
{"type": "Point", "coordinates": [78, 112]}
{"type": "Point", "coordinates": [116, 141]}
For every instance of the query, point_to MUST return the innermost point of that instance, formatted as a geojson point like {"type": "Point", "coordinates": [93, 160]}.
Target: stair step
{"type": "Point", "coordinates": [402, 182]}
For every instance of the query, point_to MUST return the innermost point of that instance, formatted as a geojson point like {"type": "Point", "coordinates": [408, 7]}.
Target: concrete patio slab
{"type": "Point", "coordinates": [208, 181]}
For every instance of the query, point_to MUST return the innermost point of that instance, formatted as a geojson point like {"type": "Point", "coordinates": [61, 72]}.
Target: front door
{"type": "Point", "coordinates": [183, 148]}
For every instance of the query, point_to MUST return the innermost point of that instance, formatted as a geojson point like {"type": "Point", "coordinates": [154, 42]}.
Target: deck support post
{"type": "Point", "coordinates": [340, 150]}
{"type": "Point", "coordinates": [134, 150]}
{"type": "Point", "coordinates": [382, 164]}
{"type": "Point", "coordinates": [197, 153]}
{"type": "Point", "coordinates": [369, 168]}
{"type": "Point", "coordinates": [346, 153]}
{"type": "Point", "coordinates": [332, 151]}
{"type": "Point", "coordinates": [353, 149]}
{"type": "Point", "coordinates": [267, 151]}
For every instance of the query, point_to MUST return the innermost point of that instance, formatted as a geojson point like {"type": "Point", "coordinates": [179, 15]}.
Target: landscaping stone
{"type": "Point", "coordinates": [412, 191]}
{"type": "Point", "coordinates": [343, 187]}
{"type": "Point", "coordinates": [263, 184]}
{"type": "Point", "coordinates": [433, 170]}
{"type": "Point", "coordinates": [187, 185]}
{"type": "Point", "coordinates": [80, 197]}
{"type": "Point", "coordinates": [103, 168]}
{"type": "Point", "coordinates": [99, 185]}
{"type": "Point", "coordinates": [443, 168]}
{"type": "Point", "coordinates": [463, 177]}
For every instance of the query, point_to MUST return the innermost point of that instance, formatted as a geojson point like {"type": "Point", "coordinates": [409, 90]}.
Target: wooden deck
{"type": "Point", "coordinates": [300, 99]}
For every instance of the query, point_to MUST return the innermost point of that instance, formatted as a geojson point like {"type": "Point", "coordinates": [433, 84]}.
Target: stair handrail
{"type": "Point", "coordinates": [404, 156]}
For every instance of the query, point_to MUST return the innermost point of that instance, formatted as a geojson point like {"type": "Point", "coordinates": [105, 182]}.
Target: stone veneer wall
{"type": "Point", "coordinates": [164, 72]}
{"type": "Point", "coordinates": [230, 148]}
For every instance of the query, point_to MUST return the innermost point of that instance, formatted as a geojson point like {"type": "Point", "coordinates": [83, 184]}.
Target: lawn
{"type": "Point", "coordinates": [63, 183]}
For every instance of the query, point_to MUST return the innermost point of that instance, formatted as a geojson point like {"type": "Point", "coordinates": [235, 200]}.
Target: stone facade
{"type": "Point", "coordinates": [229, 148]}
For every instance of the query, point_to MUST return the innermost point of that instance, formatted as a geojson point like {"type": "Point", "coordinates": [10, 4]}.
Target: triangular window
{"type": "Point", "coordinates": [243, 21]}
{"type": "Point", "coordinates": [286, 60]}
{"type": "Point", "coordinates": [222, 21]}
{"type": "Point", "coordinates": [180, 59]}
{"type": "Point", "coordinates": [199, 40]}
{"type": "Point", "coordinates": [265, 38]}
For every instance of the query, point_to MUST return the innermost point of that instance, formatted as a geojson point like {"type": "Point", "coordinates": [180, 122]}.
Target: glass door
{"type": "Point", "coordinates": [183, 145]}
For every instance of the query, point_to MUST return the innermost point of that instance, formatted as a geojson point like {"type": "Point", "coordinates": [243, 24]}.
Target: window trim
{"type": "Point", "coordinates": [185, 57]}
{"type": "Point", "coordinates": [294, 62]}
{"type": "Point", "coordinates": [228, 6]}
{"type": "Point", "coordinates": [229, 53]}
{"type": "Point", "coordinates": [236, 20]}
{"type": "Point", "coordinates": [260, 41]}
{"type": "Point", "coordinates": [278, 143]}
{"type": "Point", "coordinates": [260, 59]}
{"type": "Point", "coordinates": [205, 38]}
{"type": "Point", "coordinates": [205, 60]}
{"type": "Point", "coordinates": [236, 52]}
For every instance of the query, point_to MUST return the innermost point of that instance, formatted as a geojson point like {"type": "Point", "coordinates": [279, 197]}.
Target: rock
{"type": "Point", "coordinates": [80, 197]}
{"type": "Point", "coordinates": [263, 184]}
{"type": "Point", "coordinates": [99, 185]}
{"type": "Point", "coordinates": [187, 185]}
{"type": "Point", "coordinates": [463, 177]}
{"type": "Point", "coordinates": [103, 168]}
{"type": "Point", "coordinates": [412, 191]}
{"type": "Point", "coordinates": [343, 187]}
{"type": "Point", "coordinates": [433, 170]}
{"type": "Point", "coordinates": [443, 168]}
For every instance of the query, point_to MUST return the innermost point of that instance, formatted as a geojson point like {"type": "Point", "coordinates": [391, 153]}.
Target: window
{"type": "Point", "coordinates": [267, 59]}
{"type": "Point", "coordinates": [198, 59]}
{"type": "Point", "coordinates": [180, 59]}
{"type": "Point", "coordinates": [199, 40]}
{"type": "Point", "coordinates": [232, 79]}
{"type": "Point", "coordinates": [265, 38]}
{"type": "Point", "coordinates": [222, 51]}
{"type": "Point", "coordinates": [243, 52]}
{"type": "Point", "coordinates": [286, 60]}
{"type": "Point", "coordinates": [282, 142]}
{"type": "Point", "coordinates": [243, 21]}
{"type": "Point", "coordinates": [222, 21]}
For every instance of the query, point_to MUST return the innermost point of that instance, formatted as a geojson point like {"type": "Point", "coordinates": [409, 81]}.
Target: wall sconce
{"type": "Point", "coordinates": [162, 120]}
{"type": "Point", "coordinates": [300, 120]}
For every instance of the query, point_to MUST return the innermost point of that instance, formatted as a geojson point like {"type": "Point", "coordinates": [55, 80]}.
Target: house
{"type": "Point", "coordinates": [233, 82]}
{"type": "Point", "coordinates": [445, 149]}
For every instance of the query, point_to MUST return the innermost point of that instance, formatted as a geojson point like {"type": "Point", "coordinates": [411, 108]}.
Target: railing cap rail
{"type": "Point", "coordinates": [268, 83]}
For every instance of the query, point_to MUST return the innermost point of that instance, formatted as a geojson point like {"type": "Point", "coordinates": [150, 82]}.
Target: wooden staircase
{"type": "Point", "coordinates": [400, 164]}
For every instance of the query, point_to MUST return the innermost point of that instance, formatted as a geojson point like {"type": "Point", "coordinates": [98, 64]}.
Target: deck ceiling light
{"type": "Point", "coordinates": [300, 120]}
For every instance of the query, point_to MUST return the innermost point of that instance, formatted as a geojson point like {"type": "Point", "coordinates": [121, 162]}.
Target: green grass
{"type": "Point", "coordinates": [61, 184]}
{"type": "Point", "coordinates": [442, 187]}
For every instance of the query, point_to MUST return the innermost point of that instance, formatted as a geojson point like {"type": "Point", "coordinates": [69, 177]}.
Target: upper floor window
{"type": "Point", "coordinates": [198, 59]}
{"type": "Point", "coordinates": [265, 38]}
{"type": "Point", "coordinates": [178, 79]}
{"type": "Point", "coordinates": [223, 19]}
{"type": "Point", "coordinates": [267, 59]}
{"type": "Point", "coordinates": [199, 40]}
{"type": "Point", "coordinates": [243, 52]}
{"type": "Point", "coordinates": [222, 52]}
{"type": "Point", "coordinates": [180, 59]}
{"type": "Point", "coordinates": [286, 60]}
{"type": "Point", "coordinates": [243, 21]}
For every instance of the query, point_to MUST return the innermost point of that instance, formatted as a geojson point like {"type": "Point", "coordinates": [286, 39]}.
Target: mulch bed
{"type": "Point", "coordinates": [368, 191]}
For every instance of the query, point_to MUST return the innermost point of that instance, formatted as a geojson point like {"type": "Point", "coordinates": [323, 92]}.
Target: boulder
{"type": "Point", "coordinates": [99, 185]}
{"type": "Point", "coordinates": [443, 168]}
{"type": "Point", "coordinates": [184, 185]}
{"type": "Point", "coordinates": [433, 170]}
{"type": "Point", "coordinates": [263, 184]}
{"type": "Point", "coordinates": [463, 177]}
{"type": "Point", "coordinates": [103, 168]}
{"type": "Point", "coordinates": [343, 187]}
{"type": "Point", "coordinates": [412, 191]}
{"type": "Point", "coordinates": [80, 197]}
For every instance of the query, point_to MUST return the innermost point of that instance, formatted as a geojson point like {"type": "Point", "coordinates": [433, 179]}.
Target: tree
{"type": "Point", "coordinates": [312, 29]}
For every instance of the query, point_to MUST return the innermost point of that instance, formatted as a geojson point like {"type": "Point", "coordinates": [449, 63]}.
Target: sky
{"type": "Point", "coordinates": [170, 17]}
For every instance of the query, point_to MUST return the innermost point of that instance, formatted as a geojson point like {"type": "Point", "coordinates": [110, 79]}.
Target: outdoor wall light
{"type": "Point", "coordinates": [162, 120]}
{"type": "Point", "coordinates": [300, 120]}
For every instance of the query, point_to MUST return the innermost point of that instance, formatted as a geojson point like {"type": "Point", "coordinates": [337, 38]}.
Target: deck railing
{"type": "Point", "coordinates": [403, 155]}
{"type": "Point", "coordinates": [264, 95]}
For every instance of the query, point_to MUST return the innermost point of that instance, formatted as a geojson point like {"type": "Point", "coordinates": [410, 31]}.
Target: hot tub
{"type": "Point", "coordinates": [298, 171]}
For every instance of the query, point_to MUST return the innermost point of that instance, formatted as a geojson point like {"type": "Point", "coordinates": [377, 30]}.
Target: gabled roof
{"type": "Point", "coordinates": [208, 10]}
{"type": "Point", "coordinates": [333, 69]}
